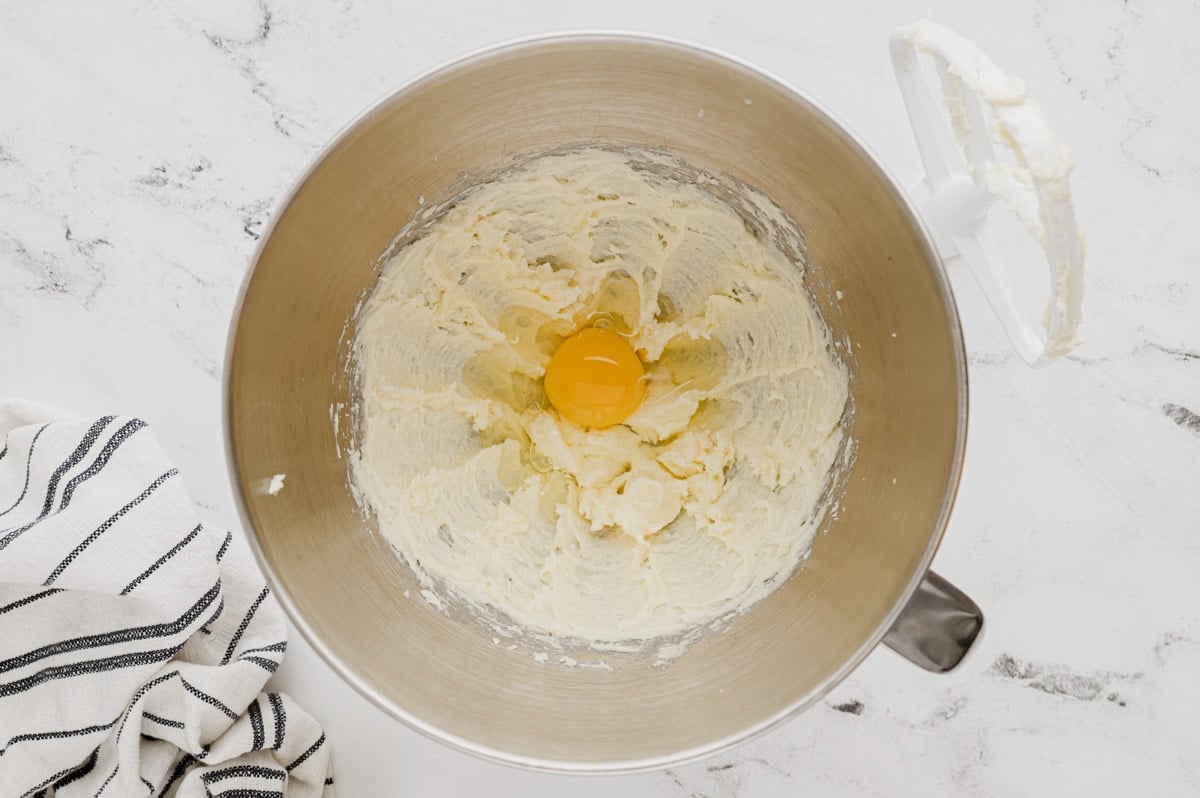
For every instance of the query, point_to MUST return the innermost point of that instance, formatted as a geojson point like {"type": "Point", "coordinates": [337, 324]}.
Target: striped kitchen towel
{"type": "Point", "coordinates": [134, 639]}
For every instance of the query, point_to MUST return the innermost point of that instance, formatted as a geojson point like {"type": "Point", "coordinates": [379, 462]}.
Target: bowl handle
{"type": "Point", "coordinates": [938, 626]}
{"type": "Point", "coordinates": [964, 176]}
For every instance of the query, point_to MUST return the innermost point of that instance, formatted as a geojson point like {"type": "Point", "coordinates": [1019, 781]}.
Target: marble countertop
{"type": "Point", "coordinates": [143, 146]}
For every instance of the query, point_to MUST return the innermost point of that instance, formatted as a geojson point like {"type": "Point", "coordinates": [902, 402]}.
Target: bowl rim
{"type": "Point", "coordinates": [720, 745]}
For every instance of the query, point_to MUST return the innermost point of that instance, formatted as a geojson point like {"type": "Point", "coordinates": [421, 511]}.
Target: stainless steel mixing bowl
{"type": "Point", "coordinates": [352, 597]}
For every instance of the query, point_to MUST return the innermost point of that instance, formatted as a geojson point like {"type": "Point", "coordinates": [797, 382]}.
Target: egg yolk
{"type": "Point", "coordinates": [595, 378]}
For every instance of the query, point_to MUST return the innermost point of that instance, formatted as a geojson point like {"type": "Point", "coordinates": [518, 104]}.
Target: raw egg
{"type": "Point", "coordinates": [595, 379]}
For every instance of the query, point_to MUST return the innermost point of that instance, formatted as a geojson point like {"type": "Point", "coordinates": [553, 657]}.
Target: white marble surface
{"type": "Point", "coordinates": [143, 146]}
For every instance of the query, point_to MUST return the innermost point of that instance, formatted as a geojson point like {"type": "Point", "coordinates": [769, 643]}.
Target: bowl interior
{"type": "Point", "coordinates": [872, 274]}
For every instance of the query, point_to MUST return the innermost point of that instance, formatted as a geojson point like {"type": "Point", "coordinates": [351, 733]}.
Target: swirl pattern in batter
{"type": "Point", "coordinates": [698, 505]}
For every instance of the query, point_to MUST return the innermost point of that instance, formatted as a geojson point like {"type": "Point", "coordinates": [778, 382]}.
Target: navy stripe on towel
{"type": "Point", "coordinates": [90, 539]}
{"type": "Point", "coordinates": [80, 452]}
{"type": "Point", "coordinates": [256, 727]}
{"type": "Point", "coordinates": [129, 635]}
{"type": "Point", "coordinates": [280, 718]}
{"type": "Point", "coordinates": [312, 749]}
{"type": "Point", "coordinates": [158, 563]}
{"type": "Point", "coordinates": [28, 464]}
{"type": "Point", "coordinates": [237, 636]}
